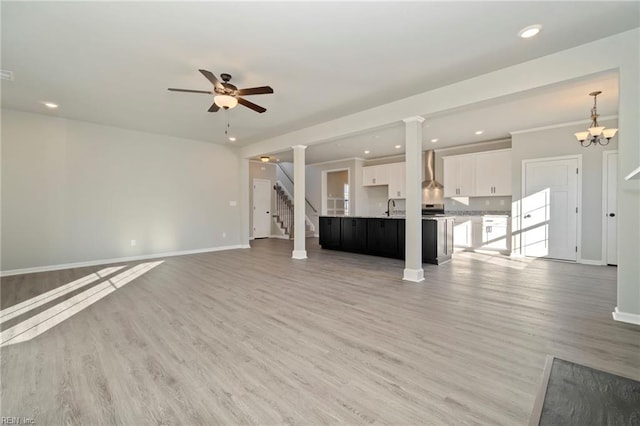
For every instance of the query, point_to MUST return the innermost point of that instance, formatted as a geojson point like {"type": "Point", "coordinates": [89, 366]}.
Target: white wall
{"type": "Point", "coordinates": [558, 142]}
{"type": "Point", "coordinates": [79, 192]}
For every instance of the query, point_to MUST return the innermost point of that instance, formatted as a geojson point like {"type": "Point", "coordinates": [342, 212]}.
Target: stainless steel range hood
{"type": "Point", "coordinates": [432, 190]}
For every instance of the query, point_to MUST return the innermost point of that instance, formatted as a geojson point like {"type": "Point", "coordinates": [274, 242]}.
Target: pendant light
{"type": "Point", "coordinates": [596, 134]}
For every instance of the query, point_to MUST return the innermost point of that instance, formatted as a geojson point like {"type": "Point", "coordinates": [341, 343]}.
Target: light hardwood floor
{"type": "Point", "coordinates": [254, 337]}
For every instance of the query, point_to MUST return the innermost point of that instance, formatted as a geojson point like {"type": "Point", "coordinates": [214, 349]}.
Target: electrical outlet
{"type": "Point", "coordinates": [133, 243]}
{"type": "Point", "coordinates": [224, 235]}
{"type": "Point", "coordinates": [233, 203]}
{"type": "Point", "coordinates": [502, 202]}
{"type": "Point", "coordinates": [487, 202]}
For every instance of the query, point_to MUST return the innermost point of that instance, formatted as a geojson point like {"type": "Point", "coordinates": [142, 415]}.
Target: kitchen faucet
{"type": "Point", "coordinates": [388, 212]}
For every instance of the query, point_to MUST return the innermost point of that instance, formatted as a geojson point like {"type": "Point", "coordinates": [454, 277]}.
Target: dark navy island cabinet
{"type": "Point", "coordinates": [386, 236]}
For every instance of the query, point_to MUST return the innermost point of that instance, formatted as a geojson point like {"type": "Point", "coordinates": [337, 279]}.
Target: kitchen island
{"type": "Point", "coordinates": [385, 236]}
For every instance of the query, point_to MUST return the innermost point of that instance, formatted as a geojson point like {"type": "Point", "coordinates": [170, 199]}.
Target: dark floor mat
{"type": "Point", "coordinates": [578, 395]}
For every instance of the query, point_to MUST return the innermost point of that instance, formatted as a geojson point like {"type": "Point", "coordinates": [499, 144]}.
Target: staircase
{"type": "Point", "coordinates": [283, 214]}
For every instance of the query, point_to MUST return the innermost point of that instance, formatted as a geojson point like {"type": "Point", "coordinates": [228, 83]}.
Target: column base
{"type": "Point", "coordinates": [626, 317]}
{"type": "Point", "coordinates": [299, 254]}
{"type": "Point", "coordinates": [413, 275]}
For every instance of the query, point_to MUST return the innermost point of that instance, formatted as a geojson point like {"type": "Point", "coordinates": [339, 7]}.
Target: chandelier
{"type": "Point", "coordinates": [596, 134]}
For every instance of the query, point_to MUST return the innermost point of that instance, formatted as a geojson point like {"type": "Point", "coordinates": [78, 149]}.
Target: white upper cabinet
{"type": "Point", "coordinates": [459, 176]}
{"type": "Point", "coordinates": [397, 180]}
{"type": "Point", "coordinates": [375, 175]}
{"type": "Point", "coordinates": [483, 174]}
{"type": "Point", "coordinates": [493, 173]}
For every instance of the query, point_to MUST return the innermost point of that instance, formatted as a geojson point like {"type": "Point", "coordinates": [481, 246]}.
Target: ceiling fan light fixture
{"type": "Point", "coordinates": [225, 101]}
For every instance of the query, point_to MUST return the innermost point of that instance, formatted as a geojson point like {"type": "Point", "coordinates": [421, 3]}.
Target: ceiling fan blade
{"type": "Point", "coordinates": [190, 91]}
{"type": "Point", "coordinates": [262, 90]}
{"type": "Point", "coordinates": [251, 105]}
{"type": "Point", "coordinates": [213, 108]}
{"type": "Point", "coordinates": [212, 78]}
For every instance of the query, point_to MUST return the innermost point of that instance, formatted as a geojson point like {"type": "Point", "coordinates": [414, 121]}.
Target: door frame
{"type": "Point", "coordinates": [323, 189]}
{"type": "Point", "coordinates": [253, 210]}
{"type": "Point", "coordinates": [605, 170]}
{"type": "Point", "coordinates": [523, 181]}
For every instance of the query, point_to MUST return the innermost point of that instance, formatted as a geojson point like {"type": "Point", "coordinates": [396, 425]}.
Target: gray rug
{"type": "Point", "coordinates": [578, 395]}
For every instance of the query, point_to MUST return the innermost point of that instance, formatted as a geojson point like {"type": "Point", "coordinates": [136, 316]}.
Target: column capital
{"type": "Point", "coordinates": [414, 118]}
{"type": "Point", "coordinates": [299, 147]}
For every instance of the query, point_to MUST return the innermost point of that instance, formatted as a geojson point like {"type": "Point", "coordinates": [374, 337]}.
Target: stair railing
{"type": "Point", "coordinates": [284, 210]}
{"type": "Point", "coordinates": [292, 183]}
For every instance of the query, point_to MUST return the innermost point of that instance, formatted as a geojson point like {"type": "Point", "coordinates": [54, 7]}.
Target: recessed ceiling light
{"type": "Point", "coordinates": [479, 132]}
{"type": "Point", "coordinates": [530, 31]}
{"type": "Point", "coordinates": [232, 139]}
{"type": "Point", "coordinates": [398, 146]}
{"type": "Point", "coordinates": [50, 105]}
{"type": "Point", "coordinates": [367, 152]}
{"type": "Point", "coordinates": [434, 140]}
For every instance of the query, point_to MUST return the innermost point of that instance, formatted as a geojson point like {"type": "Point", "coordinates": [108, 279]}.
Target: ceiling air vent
{"type": "Point", "coordinates": [6, 75]}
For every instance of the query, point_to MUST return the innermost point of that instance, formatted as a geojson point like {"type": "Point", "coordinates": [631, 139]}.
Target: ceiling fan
{"type": "Point", "coordinates": [226, 95]}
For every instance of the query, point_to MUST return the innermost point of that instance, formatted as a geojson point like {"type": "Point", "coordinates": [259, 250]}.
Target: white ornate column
{"type": "Point", "coordinates": [299, 247]}
{"type": "Point", "coordinates": [413, 221]}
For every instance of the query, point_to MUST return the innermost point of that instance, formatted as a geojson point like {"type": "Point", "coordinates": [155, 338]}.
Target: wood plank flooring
{"type": "Point", "coordinates": [254, 337]}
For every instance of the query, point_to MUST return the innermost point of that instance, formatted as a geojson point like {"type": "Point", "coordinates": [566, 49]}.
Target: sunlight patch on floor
{"type": "Point", "coordinates": [45, 320]}
{"type": "Point", "coordinates": [495, 258]}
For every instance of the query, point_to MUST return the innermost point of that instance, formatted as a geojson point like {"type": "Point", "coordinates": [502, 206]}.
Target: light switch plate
{"type": "Point", "coordinates": [233, 203]}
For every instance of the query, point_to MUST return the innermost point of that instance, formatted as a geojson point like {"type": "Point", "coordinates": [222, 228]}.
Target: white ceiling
{"type": "Point", "coordinates": [111, 62]}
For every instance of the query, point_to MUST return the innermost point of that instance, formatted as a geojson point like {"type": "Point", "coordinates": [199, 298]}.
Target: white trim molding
{"type": "Point", "coordinates": [413, 275]}
{"type": "Point", "coordinates": [49, 268]}
{"type": "Point", "coordinates": [626, 317]}
{"type": "Point", "coordinates": [559, 125]}
{"type": "Point", "coordinates": [417, 118]}
{"type": "Point", "coordinates": [591, 262]}
{"type": "Point", "coordinates": [299, 254]}
{"type": "Point", "coordinates": [282, 236]}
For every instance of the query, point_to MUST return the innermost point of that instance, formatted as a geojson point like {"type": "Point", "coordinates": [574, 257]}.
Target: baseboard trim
{"type": "Point", "coordinates": [282, 237]}
{"type": "Point", "coordinates": [413, 275]}
{"type": "Point", "coordinates": [626, 317]}
{"type": "Point", "coordinates": [299, 254]}
{"type": "Point", "coordinates": [591, 262]}
{"type": "Point", "coordinates": [49, 268]}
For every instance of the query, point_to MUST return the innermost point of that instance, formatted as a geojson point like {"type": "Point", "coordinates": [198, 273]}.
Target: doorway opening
{"type": "Point", "coordinates": [336, 193]}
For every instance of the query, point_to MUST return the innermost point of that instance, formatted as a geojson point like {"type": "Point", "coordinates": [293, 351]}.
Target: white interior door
{"type": "Point", "coordinates": [261, 208]}
{"type": "Point", "coordinates": [611, 210]}
{"type": "Point", "coordinates": [550, 209]}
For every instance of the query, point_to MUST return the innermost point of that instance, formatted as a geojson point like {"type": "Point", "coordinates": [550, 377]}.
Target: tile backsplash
{"type": "Point", "coordinates": [492, 204]}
